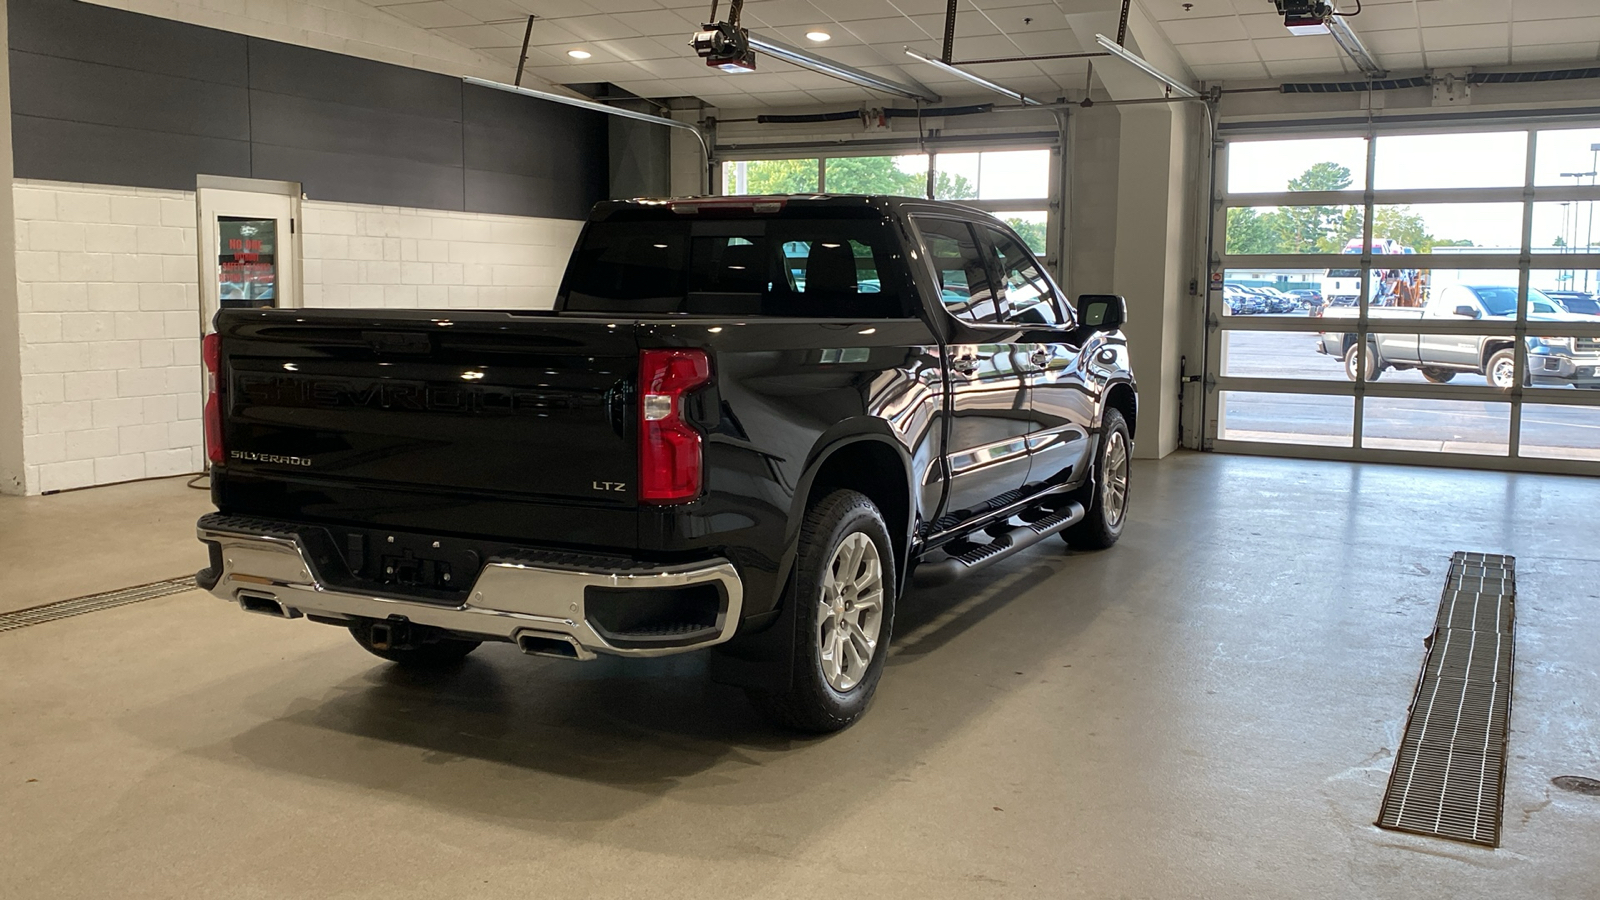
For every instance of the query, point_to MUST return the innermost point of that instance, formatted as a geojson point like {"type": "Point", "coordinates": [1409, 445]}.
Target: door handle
{"type": "Point", "coordinates": [966, 365]}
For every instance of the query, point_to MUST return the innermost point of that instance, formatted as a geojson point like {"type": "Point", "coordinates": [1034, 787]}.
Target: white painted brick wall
{"type": "Point", "coordinates": [418, 258]}
{"type": "Point", "coordinates": [350, 27]}
{"type": "Point", "coordinates": [108, 290]}
{"type": "Point", "coordinates": [110, 324]}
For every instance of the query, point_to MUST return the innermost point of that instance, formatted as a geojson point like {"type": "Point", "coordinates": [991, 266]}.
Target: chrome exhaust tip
{"type": "Point", "coordinates": [266, 605]}
{"type": "Point", "coordinates": [547, 643]}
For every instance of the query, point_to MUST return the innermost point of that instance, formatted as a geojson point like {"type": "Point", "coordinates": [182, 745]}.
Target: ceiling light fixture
{"type": "Point", "coordinates": [818, 36]}
{"type": "Point", "coordinates": [579, 54]}
{"type": "Point", "coordinates": [1174, 85]}
{"type": "Point", "coordinates": [808, 60]}
{"type": "Point", "coordinates": [977, 80]}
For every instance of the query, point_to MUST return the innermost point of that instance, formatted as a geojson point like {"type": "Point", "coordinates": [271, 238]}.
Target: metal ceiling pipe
{"type": "Point", "coordinates": [808, 60]}
{"type": "Point", "coordinates": [975, 79]}
{"type": "Point", "coordinates": [705, 148]}
{"type": "Point", "coordinates": [1138, 62]}
{"type": "Point", "coordinates": [1350, 43]}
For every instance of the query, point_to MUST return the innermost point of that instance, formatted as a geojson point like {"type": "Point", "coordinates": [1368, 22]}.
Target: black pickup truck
{"type": "Point", "coordinates": [748, 423]}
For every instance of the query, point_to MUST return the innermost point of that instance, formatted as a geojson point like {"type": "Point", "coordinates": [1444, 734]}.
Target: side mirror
{"type": "Point", "coordinates": [1102, 312]}
{"type": "Point", "coordinates": [1468, 311]}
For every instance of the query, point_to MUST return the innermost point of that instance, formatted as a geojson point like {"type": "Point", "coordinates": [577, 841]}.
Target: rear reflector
{"type": "Point", "coordinates": [211, 352]}
{"type": "Point", "coordinates": [669, 447]}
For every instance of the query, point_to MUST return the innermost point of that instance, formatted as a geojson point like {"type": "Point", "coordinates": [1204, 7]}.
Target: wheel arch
{"type": "Point", "coordinates": [1122, 397]}
{"type": "Point", "coordinates": [1490, 348]}
{"type": "Point", "coordinates": [872, 463]}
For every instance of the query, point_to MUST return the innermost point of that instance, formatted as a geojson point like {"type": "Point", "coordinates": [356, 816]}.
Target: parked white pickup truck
{"type": "Point", "coordinates": [1552, 360]}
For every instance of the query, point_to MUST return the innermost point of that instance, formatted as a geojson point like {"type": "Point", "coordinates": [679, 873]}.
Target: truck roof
{"type": "Point", "coordinates": [883, 204]}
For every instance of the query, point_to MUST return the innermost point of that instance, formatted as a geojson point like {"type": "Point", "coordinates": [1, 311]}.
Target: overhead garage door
{"type": "Point", "coordinates": [1409, 295]}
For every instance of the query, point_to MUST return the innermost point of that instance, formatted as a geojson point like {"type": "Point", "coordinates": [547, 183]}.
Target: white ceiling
{"type": "Point", "coordinates": [642, 45]}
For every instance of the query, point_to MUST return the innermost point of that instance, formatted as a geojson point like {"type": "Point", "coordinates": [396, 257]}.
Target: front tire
{"type": "Point", "coordinates": [843, 601]}
{"type": "Point", "coordinates": [1106, 509]}
{"type": "Point", "coordinates": [440, 654]}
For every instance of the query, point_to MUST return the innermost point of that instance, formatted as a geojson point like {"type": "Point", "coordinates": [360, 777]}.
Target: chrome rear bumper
{"type": "Point", "coordinates": [266, 569]}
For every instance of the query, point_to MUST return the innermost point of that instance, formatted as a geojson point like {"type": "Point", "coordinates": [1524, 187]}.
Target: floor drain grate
{"type": "Point", "coordinates": [1449, 776]}
{"type": "Point", "coordinates": [62, 609]}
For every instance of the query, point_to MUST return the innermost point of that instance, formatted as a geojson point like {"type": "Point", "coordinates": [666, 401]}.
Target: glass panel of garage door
{"type": "Point", "coordinates": [770, 176]}
{"type": "Point", "coordinates": [1308, 164]}
{"type": "Point", "coordinates": [1436, 426]}
{"type": "Point", "coordinates": [1566, 229]}
{"type": "Point", "coordinates": [992, 175]}
{"type": "Point", "coordinates": [1560, 432]}
{"type": "Point", "coordinates": [1466, 160]}
{"type": "Point", "coordinates": [1279, 418]}
{"type": "Point", "coordinates": [1566, 156]}
{"type": "Point", "coordinates": [902, 176]}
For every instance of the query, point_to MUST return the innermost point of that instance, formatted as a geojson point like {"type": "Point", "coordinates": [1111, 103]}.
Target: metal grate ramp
{"type": "Point", "coordinates": [1449, 775]}
{"type": "Point", "coordinates": [77, 606]}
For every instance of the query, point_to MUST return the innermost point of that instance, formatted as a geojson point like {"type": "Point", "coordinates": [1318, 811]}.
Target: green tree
{"type": "Point", "coordinates": [777, 176]}
{"type": "Point", "coordinates": [1032, 234]}
{"type": "Point", "coordinates": [847, 175]}
{"type": "Point", "coordinates": [1252, 232]}
{"type": "Point", "coordinates": [1559, 242]}
{"type": "Point", "coordinates": [1310, 229]}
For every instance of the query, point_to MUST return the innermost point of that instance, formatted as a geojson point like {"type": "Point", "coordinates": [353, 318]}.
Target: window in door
{"type": "Point", "coordinates": [1026, 296]}
{"type": "Point", "coordinates": [959, 267]}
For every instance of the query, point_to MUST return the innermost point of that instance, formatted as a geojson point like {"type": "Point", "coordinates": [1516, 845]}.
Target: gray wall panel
{"type": "Point", "coordinates": [524, 195]}
{"type": "Point", "coordinates": [105, 96]}
{"type": "Point", "coordinates": [50, 87]}
{"type": "Point", "coordinates": [318, 125]}
{"type": "Point", "coordinates": [126, 40]}
{"type": "Point", "coordinates": [101, 154]}
{"type": "Point", "coordinates": [350, 178]}
{"type": "Point", "coordinates": [319, 75]}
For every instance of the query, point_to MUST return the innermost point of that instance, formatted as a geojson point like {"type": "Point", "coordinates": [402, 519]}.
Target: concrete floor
{"type": "Point", "coordinates": [144, 531]}
{"type": "Point", "coordinates": [1208, 710]}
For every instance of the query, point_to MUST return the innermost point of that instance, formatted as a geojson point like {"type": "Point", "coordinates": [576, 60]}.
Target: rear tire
{"type": "Point", "coordinates": [843, 599]}
{"type": "Point", "coordinates": [1437, 376]}
{"type": "Point", "coordinates": [1106, 506]}
{"type": "Point", "coordinates": [1501, 372]}
{"type": "Point", "coordinates": [439, 654]}
{"type": "Point", "coordinates": [1374, 365]}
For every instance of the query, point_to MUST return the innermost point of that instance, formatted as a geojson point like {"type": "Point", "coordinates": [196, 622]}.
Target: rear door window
{"type": "Point", "coordinates": [799, 268]}
{"type": "Point", "coordinates": [959, 270]}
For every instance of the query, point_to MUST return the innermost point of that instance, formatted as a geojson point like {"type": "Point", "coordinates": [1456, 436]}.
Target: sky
{"type": "Point", "coordinates": [1463, 160]}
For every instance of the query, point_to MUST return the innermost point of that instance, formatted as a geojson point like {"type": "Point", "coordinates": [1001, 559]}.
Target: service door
{"type": "Point", "coordinates": [249, 246]}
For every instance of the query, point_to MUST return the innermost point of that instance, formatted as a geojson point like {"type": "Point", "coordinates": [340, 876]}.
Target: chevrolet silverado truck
{"type": "Point", "coordinates": [1553, 360]}
{"type": "Point", "coordinates": [747, 424]}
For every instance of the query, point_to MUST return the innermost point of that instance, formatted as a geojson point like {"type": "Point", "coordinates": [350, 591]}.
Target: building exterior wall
{"type": "Point", "coordinates": [109, 312]}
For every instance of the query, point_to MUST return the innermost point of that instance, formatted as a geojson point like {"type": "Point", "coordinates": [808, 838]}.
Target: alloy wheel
{"type": "Point", "coordinates": [850, 611]}
{"type": "Point", "coordinates": [1114, 480]}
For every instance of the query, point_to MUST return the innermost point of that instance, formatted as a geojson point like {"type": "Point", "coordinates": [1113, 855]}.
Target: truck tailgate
{"type": "Point", "coordinates": [517, 407]}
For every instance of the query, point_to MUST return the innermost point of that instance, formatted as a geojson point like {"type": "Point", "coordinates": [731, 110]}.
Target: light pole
{"type": "Point", "coordinates": [1561, 274]}
{"type": "Point", "coordinates": [1577, 181]}
{"type": "Point", "coordinates": [1594, 166]}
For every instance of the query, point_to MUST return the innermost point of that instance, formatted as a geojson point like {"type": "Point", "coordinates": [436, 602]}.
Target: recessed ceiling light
{"type": "Point", "coordinates": [579, 54]}
{"type": "Point", "coordinates": [818, 36]}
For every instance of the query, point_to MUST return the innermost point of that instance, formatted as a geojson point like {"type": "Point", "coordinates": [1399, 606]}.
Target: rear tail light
{"type": "Point", "coordinates": [669, 447]}
{"type": "Point", "coordinates": [211, 352]}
